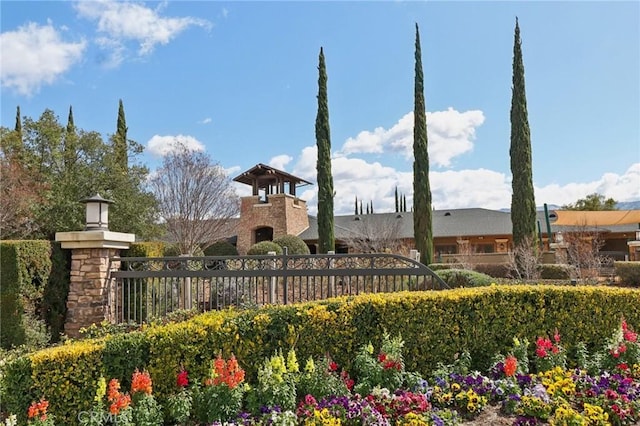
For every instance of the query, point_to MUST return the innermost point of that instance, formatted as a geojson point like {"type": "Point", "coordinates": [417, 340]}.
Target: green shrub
{"type": "Point", "coordinates": [16, 387]}
{"type": "Point", "coordinates": [293, 243]}
{"type": "Point", "coordinates": [123, 353]}
{"type": "Point", "coordinates": [24, 272]}
{"type": "Point", "coordinates": [145, 249]}
{"type": "Point", "coordinates": [440, 266]}
{"type": "Point", "coordinates": [464, 278]}
{"type": "Point", "coordinates": [56, 291]}
{"type": "Point", "coordinates": [264, 247]}
{"type": "Point", "coordinates": [554, 271]}
{"type": "Point", "coordinates": [629, 273]}
{"type": "Point", "coordinates": [173, 250]}
{"type": "Point", "coordinates": [221, 248]}
{"type": "Point", "coordinates": [495, 270]}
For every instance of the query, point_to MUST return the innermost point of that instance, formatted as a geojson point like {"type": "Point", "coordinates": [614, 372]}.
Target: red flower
{"type": "Point", "coordinates": [556, 336]}
{"type": "Point", "coordinates": [382, 357]}
{"type": "Point", "coordinates": [541, 352]}
{"type": "Point", "coordinates": [510, 366]}
{"type": "Point", "coordinates": [183, 379]}
{"type": "Point", "coordinates": [622, 366]}
{"type": "Point", "coordinates": [333, 366]}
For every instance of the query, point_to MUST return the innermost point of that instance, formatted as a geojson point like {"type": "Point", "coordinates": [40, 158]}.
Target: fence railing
{"type": "Point", "coordinates": [148, 288]}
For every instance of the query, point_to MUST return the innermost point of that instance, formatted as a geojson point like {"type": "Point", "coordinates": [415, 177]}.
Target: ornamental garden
{"type": "Point", "coordinates": [502, 354]}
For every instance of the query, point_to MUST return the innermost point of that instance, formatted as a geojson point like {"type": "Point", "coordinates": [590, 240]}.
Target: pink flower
{"type": "Point", "coordinates": [556, 336]}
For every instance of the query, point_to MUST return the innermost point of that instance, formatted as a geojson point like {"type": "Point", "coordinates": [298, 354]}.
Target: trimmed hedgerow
{"type": "Point", "coordinates": [553, 271]}
{"type": "Point", "coordinates": [628, 272]}
{"type": "Point", "coordinates": [435, 326]}
{"type": "Point", "coordinates": [24, 271]}
{"type": "Point", "coordinates": [145, 249]}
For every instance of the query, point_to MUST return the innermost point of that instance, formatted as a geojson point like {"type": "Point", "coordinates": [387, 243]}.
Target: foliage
{"type": "Point", "coordinates": [523, 204]}
{"type": "Point", "coordinates": [323, 378]}
{"type": "Point", "coordinates": [382, 370]}
{"type": "Point", "coordinates": [464, 278]}
{"type": "Point", "coordinates": [264, 247]}
{"type": "Point", "coordinates": [628, 272]}
{"type": "Point", "coordinates": [221, 248]}
{"type": "Point", "coordinates": [220, 399]}
{"type": "Point", "coordinates": [481, 320]}
{"type": "Point", "coordinates": [422, 216]}
{"type": "Point", "coordinates": [592, 202]}
{"type": "Point", "coordinates": [293, 243]}
{"type": "Point", "coordinates": [554, 271]}
{"type": "Point", "coordinates": [24, 272]}
{"type": "Point", "coordinates": [65, 165]}
{"type": "Point", "coordinates": [495, 270]}
{"type": "Point", "coordinates": [276, 385]}
{"type": "Point", "coordinates": [54, 298]}
{"type": "Point", "coordinates": [326, 238]}
{"type": "Point", "coordinates": [195, 198]}
{"type": "Point", "coordinates": [145, 249]}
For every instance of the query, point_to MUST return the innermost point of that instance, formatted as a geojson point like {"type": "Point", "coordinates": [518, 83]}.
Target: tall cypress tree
{"type": "Point", "coordinates": [356, 212]}
{"type": "Point", "coordinates": [120, 140]}
{"type": "Point", "coordinates": [18, 127]}
{"type": "Point", "coordinates": [397, 202]}
{"type": "Point", "coordinates": [326, 239]}
{"type": "Point", "coordinates": [523, 204]}
{"type": "Point", "coordinates": [422, 220]}
{"type": "Point", "coordinates": [70, 142]}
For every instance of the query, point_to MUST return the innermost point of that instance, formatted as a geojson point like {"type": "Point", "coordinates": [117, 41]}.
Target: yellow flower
{"type": "Point", "coordinates": [101, 391]}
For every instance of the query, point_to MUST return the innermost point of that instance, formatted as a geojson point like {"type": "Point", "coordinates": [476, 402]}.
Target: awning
{"type": "Point", "coordinates": [596, 218]}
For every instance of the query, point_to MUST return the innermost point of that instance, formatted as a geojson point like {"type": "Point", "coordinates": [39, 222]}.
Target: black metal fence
{"type": "Point", "coordinates": [148, 288]}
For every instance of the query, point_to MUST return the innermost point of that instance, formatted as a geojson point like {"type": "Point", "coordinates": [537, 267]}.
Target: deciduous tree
{"type": "Point", "coordinates": [195, 198]}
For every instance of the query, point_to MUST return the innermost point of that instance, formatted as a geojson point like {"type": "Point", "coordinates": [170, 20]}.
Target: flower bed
{"type": "Point", "coordinates": [603, 389]}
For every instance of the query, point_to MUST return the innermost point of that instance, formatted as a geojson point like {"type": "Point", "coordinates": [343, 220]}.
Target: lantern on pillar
{"type": "Point", "coordinates": [97, 213]}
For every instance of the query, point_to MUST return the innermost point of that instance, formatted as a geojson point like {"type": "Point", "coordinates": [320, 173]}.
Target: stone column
{"type": "Point", "coordinates": [89, 299]}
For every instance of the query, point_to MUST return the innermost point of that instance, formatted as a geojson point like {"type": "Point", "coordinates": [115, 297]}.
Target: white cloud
{"type": "Point", "coordinates": [451, 133]}
{"type": "Point", "coordinates": [280, 161]}
{"type": "Point", "coordinates": [124, 21]}
{"type": "Point", "coordinates": [206, 121]}
{"type": "Point", "coordinates": [35, 55]}
{"type": "Point", "coordinates": [160, 146]}
{"type": "Point", "coordinates": [625, 187]}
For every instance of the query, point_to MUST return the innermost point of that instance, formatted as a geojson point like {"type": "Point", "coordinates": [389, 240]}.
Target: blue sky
{"type": "Point", "coordinates": [239, 80]}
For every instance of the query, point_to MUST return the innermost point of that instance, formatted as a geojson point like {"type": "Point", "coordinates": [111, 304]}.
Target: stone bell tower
{"type": "Point", "coordinates": [273, 209]}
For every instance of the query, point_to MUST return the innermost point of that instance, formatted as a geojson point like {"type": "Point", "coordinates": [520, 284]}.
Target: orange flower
{"type": "Point", "coordinates": [226, 372]}
{"type": "Point", "coordinates": [38, 409]}
{"type": "Point", "coordinates": [119, 401]}
{"type": "Point", "coordinates": [510, 366]}
{"type": "Point", "coordinates": [141, 382]}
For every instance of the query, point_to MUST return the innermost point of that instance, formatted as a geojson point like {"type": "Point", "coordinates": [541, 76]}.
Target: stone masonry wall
{"type": "Point", "coordinates": [87, 302]}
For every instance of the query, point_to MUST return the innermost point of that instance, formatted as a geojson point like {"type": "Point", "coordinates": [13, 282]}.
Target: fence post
{"type": "Point", "coordinates": [186, 304]}
{"type": "Point", "coordinates": [272, 280]}
{"type": "Point", "coordinates": [414, 255]}
{"type": "Point", "coordinates": [332, 278]}
{"type": "Point", "coordinates": [91, 299]}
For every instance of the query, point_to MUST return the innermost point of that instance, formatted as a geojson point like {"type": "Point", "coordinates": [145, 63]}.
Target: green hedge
{"type": "Point", "coordinates": [464, 278]}
{"type": "Point", "coordinates": [24, 272]}
{"type": "Point", "coordinates": [435, 326]}
{"type": "Point", "coordinates": [628, 272]}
